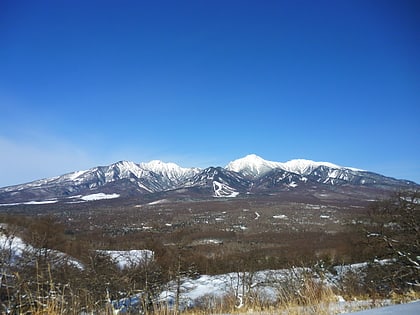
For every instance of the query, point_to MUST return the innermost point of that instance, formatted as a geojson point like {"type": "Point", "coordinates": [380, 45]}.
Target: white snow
{"type": "Point", "coordinates": [40, 202]}
{"type": "Point", "coordinates": [171, 171]}
{"type": "Point", "coordinates": [412, 308]}
{"type": "Point", "coordinates": [209, 241]}
{"type": "Point", "coordinates": [157, 202]}
{"type": "Point", "coordinates": [124, 259]}
{"type": "Point", "coordinates": [264, 284]}
{"type": "Point", "coordinates": [222, 190]}
{"type": "Point", "coordinates": [99, 196]}
{"type": "Point", "coordinates": [280, 216]}
{"type": "Point", "coordinates": [125, 169]}
{"type": "Point", "coordinates": [252, 165]}
{"type": "Point", "coordinates": [45, 202]}
{"type": "Point", "coordinates": [76, 175]}
{"type": "Point", "coordinates": [304, 167]}
{"type": "Point", "coordinates": [16, 247]}
{"type": "Point", "coordinates": [255, 166]}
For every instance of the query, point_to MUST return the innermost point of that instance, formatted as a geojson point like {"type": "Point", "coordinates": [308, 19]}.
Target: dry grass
{"type": "Point", "coordinates": [312, 297]}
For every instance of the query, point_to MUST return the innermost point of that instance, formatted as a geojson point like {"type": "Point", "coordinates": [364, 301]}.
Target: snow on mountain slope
{"type": "Point", "coordinates": [123, 177]}
{"type": "Point", "coordinates": [242, 176]}
{"type": "Point", "coordinates": [304, 167]}
{"type": "Point", "coordinates": [255, 166]}
{"type": "Point", "coordinates": [252, 165]}
{"type": "Point", "coordinates": [170, 171]}
{"type": "Point", "coordinates": [222, 190]}
{"type": "Point", "coordinates": [124, 169]}
{"type": "Point", "coordinates": [101, 175]}
{"type": "Point", "coordinates": [220, 181]}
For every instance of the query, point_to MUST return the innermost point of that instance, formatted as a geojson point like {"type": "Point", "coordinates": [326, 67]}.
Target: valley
{"type": "Point", "coordinates": [276, 230]}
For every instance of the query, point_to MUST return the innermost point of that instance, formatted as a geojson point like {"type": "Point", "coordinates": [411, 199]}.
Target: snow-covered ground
{"type": "Point", "coordinates": [412, 308]}
{"type": "Point", "coordinates": [124, 259]}
{"type": "Point", "coordinates": [209, 290]}
{"type": "Point", "coordinates": [45, 202]}
{"type": "Point", "coordinates": [76, 199]}
{"type": "Point", "coordinates": [99, 196]}
{"type": "Point", "coordinates": [222, 190]}
{"type": "Point", "coordinates": [13, 248]}
{"type": "Point", "coordinates": [266, 285]}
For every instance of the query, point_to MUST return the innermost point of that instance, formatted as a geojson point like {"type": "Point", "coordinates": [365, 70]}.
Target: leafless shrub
{"type": "Point", "coordinates": [395, 232]}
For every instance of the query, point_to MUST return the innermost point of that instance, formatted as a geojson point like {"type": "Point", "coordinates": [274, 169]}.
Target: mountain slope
{"type": "Point", "coordinates": [125, 178]}
{"type": "Point", "coordinates": [170, 173]}
{"type": "Point", "coordinates": [220, 182]}
{"type": "Point", "coordinates": [248, 175]}
{"type": "Point", "coordinates": [252, 166]}
{"type": "Point", "coordinates": [255, 166]}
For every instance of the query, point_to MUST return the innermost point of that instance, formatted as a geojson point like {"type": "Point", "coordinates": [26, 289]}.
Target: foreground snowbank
{"type": "Point", "coordinates": [266, 287]}
{"type": "Point", "coordinates": [13, 248]}
{"type": "Point", "coordinates": [129, 258]}
{"type": "Point", "coordinates": [412, 308]}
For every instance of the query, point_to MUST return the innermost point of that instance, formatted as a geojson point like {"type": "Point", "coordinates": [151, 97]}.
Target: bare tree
{"type": "Point", "coordinates": [395, 232]}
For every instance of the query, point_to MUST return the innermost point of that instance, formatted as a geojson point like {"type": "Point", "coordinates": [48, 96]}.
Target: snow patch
{"type": "Point", "coordinates": [209, 241]}
{"type": "Point", "coordinates": [99, 196]}
{"type": "Point", "coordinates": [45, 202]}
{"type": "Point", "coordinates": [280, 216]}
{"type": "Point", "coordinates": [40, 202]}
{"type": "Point", "coordinates": [130, 258]}
{"type": "Point", "coordinates": [170, 171]}
{"type": "Point", "coordinates": [75, 175]}
{"type": "Point", "coordinates": [16, 247]}
{"type": "Point", "coordinates": [222, 190]}
{"type": "Point", "coordinates": [157, 202]}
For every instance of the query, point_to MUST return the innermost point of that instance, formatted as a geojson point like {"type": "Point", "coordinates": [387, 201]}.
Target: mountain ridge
{"type": "Point", "coordinates": [248, 175]}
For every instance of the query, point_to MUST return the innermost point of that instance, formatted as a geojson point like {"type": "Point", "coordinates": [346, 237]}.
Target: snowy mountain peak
{"type": "Point", "coordinates": [169, 170]}
{"type": "Point", "coordinates": [158, 166]}
{"type": "Point", "coordinates": [123, 169]}
{"type": "Point", "coordinates": [303, 167]}
{"type": "Point", "coordinates": [125, 166]}
{"type": "Point", "coordinates": [252, 165]}
{"type": "Point", "coordinates": [250, 174]}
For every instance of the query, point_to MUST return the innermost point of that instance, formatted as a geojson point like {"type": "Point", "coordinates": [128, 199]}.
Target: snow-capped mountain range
{"type": "Point", "coordinates": [254, 166]}
{"type": "Point", "coordinates": [248, 175]}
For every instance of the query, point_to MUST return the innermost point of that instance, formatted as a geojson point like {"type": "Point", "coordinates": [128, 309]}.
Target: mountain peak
{"type": "Point", "coordinates": [252, 165]}
{"type": "Point", "coordinates": [159, 165]}
{"type": "Point", "coordinates": [169, 170]}
{"type": "Point", "coordinates": [253, 158]}
{"type": "Point", "coordinates": [250, 174]}
{"type": "Point", "coordinates": [302, 166]}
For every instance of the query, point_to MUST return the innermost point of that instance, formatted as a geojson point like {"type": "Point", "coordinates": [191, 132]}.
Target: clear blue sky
{"type": "Point", "coordinates": [200, 83]}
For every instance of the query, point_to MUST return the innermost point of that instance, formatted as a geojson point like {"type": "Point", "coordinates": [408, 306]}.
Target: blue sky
{"type": "Point", "coordinates": [200, 83]}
